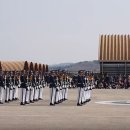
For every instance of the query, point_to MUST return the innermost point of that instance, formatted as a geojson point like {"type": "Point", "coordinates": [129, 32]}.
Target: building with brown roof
{"type": "Point", "coordinates": [23, 65]}
{"type": "Point", "coordinates": [114, 54]}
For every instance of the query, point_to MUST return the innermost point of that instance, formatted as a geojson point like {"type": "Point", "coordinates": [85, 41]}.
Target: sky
{"type": "Point", "coordinates": [59, 31]}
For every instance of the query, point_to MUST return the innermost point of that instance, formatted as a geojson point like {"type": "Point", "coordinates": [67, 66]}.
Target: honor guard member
{"type": "Point", "coordinates": [85, 90]}
{"type": "Point", "coordinates": [32, 81]}
{"type": "Point", "coordinates": [44, 82]}
{"type": "Point", "coordinates": [81, 86]}
{"type": "Point", "coordinates": [59, 89]}
{"type": "Point", "coordinates": [74, 81]}
{"type": "Point", "coordinates": [15, 88]}
{"type": "Point", "coordinates": [27, 100]}
{"type": "Point", "coordinates": [86, 87]}
{"type": "Point", "coordinates": [91, 80]}
{"type": "Point", "coordinates": [7, 83]}
{"type": "Point", "coordinates": [41, 85]}
{"type": "Point", "coordinates": [64, 85]}
{"type": "Point", "coordinates": [70, 82]}
{"type": "Point", "coordinates": [59, 85]}
{"type": "Point", "coordinates": [47, 79]}
{"type": "Point", "coordinates": [4, 81]}
{"type": "Point", "coordinates": [11, 78]}
{"type": "Point", "coordinates": [23, 88]}
{"type": "Point", "coordinates": [34, 84]}
{"type": "Point", "coordinates": [86, 93]}
{"type": "Point", "coordinates": [53, 85]}
{"type": "Point", "coordinates": [67, 84]}
{"type": "Point", "coordinates": [1, 88]}
{"type": "Point", "coordinates": [57, 95]}
{"type": "Point", "coordinates": [30, 86]}
{"type": "Point", "coordinates": [19, 85]}
{"type": "Point", "coordinates": [36, 87]}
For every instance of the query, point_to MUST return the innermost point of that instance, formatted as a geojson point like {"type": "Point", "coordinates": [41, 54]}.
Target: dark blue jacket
{"type": "Point", "coordinates": [53, 82]}
{"type": "Point", "coordinates": [1, 81]}
{"type": "Point", "coordinates": [80, 81]}
{"type": "Point", "coordinates": [23, 81]}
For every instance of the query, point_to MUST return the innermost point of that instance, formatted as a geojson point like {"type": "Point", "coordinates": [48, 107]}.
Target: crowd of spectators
{"type": "Point", "coordinates": [108, 81]}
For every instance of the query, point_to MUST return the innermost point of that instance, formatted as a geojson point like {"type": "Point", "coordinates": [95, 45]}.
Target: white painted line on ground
{"type": "Point", "coordinates": [115, 102]}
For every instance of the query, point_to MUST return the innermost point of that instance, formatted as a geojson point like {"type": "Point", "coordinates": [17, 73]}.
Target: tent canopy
{"type": "Point", "coordinates": [20, 65]}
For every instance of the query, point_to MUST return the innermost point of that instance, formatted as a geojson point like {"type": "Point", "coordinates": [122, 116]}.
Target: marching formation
{"type": "Point", "coordinates": [25, 86]}
{"type": "Point", "coordinates": [59, 84]}
{"type": "Point", "coordinates": [28, 86]}
{"type": "Point", "coordinates": [85, 83]}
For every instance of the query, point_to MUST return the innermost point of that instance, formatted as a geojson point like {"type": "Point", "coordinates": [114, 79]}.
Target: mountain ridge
{"type": "Point", "coordinates": [82, 65]}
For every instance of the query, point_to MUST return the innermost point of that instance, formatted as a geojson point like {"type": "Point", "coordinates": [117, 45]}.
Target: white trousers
{"type": "Point", "coordinates": [80, 94]}
{"type": "Point", "coordinates": [60, 94]}
{"type": "Point", "coordinates": [15, 92]}
{"type": "Point", "coordinates": [66, 93]}
{"type": "Point", "coordinates": [89, 94]}
{"type": "Point", "coordinates": [85, 94]}
{"type": "Point", "coordinates": [2, 93]}
{"type": "Point", "coordinates": [38, 93]}
{"type": "Point", "coordinates": [28, 95]}
{"type": "Point", "coordinates": [32, 93]}
{"type": "Point", "coordinates": [35, 93]}
{"type": "Point", "coordinates": [7, 93]}
{"type": "Point", "coordinates": [57, 96]}
{"type": "Point", "coordinates": [11, 94]}
{"type": "Point", "coordinates": [41, 93]}
{"type": "Point", "coordinates": [63, 93]}
{"type": "Point", "coordinates": [52, 95]}
{"type": "Point", "coordinates": [22, 94]}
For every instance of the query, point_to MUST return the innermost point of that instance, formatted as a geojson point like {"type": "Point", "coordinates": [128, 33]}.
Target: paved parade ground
{"type": "Point", "coordinates": [68, 116]}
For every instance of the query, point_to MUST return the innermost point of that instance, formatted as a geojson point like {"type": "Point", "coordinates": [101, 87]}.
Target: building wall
{"type": "Point", "coordinates": [114, 48]}
{"type": "Point", "coordinates": [115, 67]}
{"type": "Point", "coordinates": [114, 54]}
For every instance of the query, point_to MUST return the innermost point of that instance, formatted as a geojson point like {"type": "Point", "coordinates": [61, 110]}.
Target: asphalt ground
{"type": "Point", "coordinates": [68, 116]}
